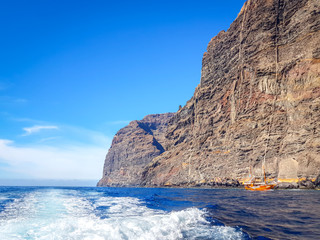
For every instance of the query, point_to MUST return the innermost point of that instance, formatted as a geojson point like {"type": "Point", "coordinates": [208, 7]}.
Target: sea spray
{"type": "Point", "coordinates": [73, 215]}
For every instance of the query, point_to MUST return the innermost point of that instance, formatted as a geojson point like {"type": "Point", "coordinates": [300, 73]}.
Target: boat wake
{"type": "Point", "coordinates": [69, 214]}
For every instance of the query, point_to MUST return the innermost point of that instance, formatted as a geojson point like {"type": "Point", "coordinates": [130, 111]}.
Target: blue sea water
{"type": "Point", "coordinates": [76, 213]}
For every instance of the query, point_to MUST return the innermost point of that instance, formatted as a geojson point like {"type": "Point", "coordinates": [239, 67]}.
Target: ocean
{"type": "Point", "coordinates": [92, 213]}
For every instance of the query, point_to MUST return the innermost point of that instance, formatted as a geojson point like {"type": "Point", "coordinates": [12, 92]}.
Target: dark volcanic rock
{"type": "Point", "coordinates": [317, 182]}
{"type": "Point", "coordinates": [307, 183]}
{"type": "Point", "coordinates": [133, 147]}
{"type": "Point", "coordinates": [259, 99]}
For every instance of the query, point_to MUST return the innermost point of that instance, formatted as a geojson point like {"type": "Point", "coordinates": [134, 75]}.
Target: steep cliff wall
{"type": "Point", "coordinates": [133, 147]}
{"type": "Point", "coordinates": [259, 99]}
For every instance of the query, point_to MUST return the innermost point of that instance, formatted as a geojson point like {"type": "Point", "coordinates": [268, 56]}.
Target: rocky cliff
{"type": "Point", "coordinates": [258, 101]}
{"type": "Point", "coordinates": [132, 148]}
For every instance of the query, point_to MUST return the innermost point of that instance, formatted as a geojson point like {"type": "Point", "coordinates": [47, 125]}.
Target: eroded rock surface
{"type": "Point", "coordinates": [259, 99]}
{"type": "Point", "coordinates": [133, 147]}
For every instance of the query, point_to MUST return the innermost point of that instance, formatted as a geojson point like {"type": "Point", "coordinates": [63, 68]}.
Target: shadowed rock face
{"type": "Point", "coordinates": [259, 99]}
{"type": "Point", "coordinates": [133, 147]}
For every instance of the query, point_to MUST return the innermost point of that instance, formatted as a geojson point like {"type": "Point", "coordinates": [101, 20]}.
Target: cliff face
{"type": "Point", "coordinates": [133, 147]}
{"type": "Point", "coordinates": [259, 99]}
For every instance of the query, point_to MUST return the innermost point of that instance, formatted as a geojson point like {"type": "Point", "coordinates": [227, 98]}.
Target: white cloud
{"type": "Point", "coordinates": [48, 139]}
{"type": "Point", "coordinates": [71, 153]}
{"type": "Point", "coordinates": [37, 128]}
{"type": "Point", "coordinates": [65, 162]}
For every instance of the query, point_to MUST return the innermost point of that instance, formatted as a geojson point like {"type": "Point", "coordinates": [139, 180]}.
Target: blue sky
{"type": "Point", "coordinates": [72, 73]}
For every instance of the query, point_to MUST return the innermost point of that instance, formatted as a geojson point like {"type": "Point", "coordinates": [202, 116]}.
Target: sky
{"type": "Point", "coordinates": [73, 72]}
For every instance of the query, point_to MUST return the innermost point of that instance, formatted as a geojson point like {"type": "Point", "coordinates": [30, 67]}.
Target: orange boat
{"type": "Point", "coordinates": [253, 185]}
{"type": "Point", "coordinates": [259, 186]}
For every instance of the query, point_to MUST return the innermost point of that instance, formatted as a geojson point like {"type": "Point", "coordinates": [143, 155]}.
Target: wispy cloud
{"type": "Point", "coordinates": [65, 162]}
{"type": "Point", "coordinates": [22, 119]}
{"type": "Point", "coordinates": [14, 118]}
{"type": "Point", "coordinates": [37, 128]}
{"type": "Point", "coordinates": [48, 139]}
{"type": "Point", "coordinates": [53, 151]}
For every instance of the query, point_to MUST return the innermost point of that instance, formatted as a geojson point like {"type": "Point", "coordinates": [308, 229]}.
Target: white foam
{"type": "Point", "coordinates": [56, 216]}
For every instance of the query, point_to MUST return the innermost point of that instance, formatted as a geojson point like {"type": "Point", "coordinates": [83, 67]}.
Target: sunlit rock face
{"type": "Point", "coordinates": [133, 147]}
{"type": "Point", "coordinates": [258, 100]}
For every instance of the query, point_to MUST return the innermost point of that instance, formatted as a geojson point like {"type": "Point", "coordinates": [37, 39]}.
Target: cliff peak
{"type": "Point", "coordinates": [133, 147]}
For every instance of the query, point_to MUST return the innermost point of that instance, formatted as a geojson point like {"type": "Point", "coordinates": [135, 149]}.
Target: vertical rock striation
{"type": "Point", "coordinates": [258, 100]}
{"type": "Point", "coordinates": [133, 147]}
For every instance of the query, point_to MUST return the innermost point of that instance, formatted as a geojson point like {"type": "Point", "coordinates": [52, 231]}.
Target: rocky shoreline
{"type": "Point", "coordinates": [230, 183]}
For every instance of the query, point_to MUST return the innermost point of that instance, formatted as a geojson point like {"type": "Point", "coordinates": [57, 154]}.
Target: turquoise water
{"type": "Point", "coordinates": [135, 213]}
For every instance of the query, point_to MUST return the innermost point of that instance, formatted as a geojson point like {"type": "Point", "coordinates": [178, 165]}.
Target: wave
{"type": "Point", "coordinates": [70, 215]}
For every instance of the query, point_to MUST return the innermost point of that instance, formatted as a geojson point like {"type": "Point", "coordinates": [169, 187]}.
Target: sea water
{"type": "Point", "coordinates": [135, 213]}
